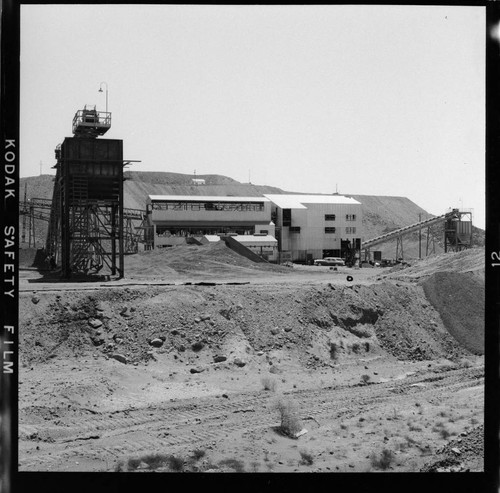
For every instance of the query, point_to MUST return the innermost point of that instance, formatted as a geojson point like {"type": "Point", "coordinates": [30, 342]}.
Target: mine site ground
{"type": "Point", "coordinates": [201, 360]}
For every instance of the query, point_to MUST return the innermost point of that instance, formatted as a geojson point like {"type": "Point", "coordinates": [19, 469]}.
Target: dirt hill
{"type": "Point", "coordinates": [381, 214]}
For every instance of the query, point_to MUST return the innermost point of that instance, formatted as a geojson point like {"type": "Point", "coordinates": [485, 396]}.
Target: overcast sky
{"type": "Point", "coordinates": [360, 99]}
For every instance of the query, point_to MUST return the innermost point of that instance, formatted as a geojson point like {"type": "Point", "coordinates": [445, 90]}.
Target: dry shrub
{"type": "Point", "coordinates": [365, 379]}
{"type": "Point", "coordinates": [235, 464]}
{"type": "Point", "coordinates": [154, 461]}
{"type": "Point", "coordinates": [198, 454]}
{"type": "Point", "coordinates": [269, 383]}
{"type": "Point", "coordinates": [306, 458]}
{"type": "Point", "coordinates": [133, 464]}
{"type": "Point", "coordinates": [384, 460]}
{"type": "Point", "coordinates": [444, 433]}
{"type": "Point", "coordinates": [175, 463]}
{"type": "Point", "coordinates": [290, 423]}
{"type": "Point", "coordinates": [334, 350]}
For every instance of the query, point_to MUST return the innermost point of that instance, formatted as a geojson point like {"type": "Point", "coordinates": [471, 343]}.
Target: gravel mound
{"type": "Point", "coordinates": [466, 261]}
{"type": "Point", "coordinates": [192, 259]}
{"type": "Point", "coordinates": [463, 454]}
{"type": "Point", "coordinates": [459, 299]}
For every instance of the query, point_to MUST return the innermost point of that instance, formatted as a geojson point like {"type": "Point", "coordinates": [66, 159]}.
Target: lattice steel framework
{"type": "Point", "coordinates": [86, 227]}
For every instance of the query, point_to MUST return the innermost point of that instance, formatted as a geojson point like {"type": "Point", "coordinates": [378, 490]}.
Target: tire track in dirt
{"type": "Point", "coordinates": [174, 428]}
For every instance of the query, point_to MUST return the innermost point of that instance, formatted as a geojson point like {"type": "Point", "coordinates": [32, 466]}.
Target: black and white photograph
{"type": "Point", "coordinates": [251, 239]}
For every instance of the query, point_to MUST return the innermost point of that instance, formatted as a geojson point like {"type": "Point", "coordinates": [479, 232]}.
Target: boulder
{"type": "Point", "coordinates": [119, 357]}
{"type": "Point", "coordinates": [125, 312]}
{"type": "Point", "coordinates": [157, 342]}
{"type": "Point", "coordinates": [35, 299]}
{"type": "Point", "coordinates": [239, 362]}
{"type": "Point", "coordinates": [93, 322]}
{"type": "Point", "coordinates": [196, 369]}
{"type": "Point", "coordinates": [98, 341]}
{"type": "Point", "coordinates": [219, 358]}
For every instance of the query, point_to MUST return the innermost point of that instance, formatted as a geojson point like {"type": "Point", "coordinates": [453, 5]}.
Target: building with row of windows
{"type": "Point", "coordinates": [304, 226]}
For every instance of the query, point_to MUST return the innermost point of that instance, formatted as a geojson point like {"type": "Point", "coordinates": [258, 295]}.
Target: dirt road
{"type": "Point", "coordinates": [345, 425]}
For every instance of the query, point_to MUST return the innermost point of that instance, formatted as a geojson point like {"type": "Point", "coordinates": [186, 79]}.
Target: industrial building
{"type": "Point", "coordinates": [287, 227]}
{"type": "Point", "coordinates": [316, 226]}
{"type": "Point", "coordinates": [174, 217]}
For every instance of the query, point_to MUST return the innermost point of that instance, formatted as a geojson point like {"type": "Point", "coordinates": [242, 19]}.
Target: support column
{"type": "Point", "coordinates": [113, 239]}
{"type": "Point", "coordinates": [120, 225]}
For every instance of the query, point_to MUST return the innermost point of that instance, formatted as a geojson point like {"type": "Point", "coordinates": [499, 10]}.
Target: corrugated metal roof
{"type": "Point", "coordinates": [298, 201]}
{"type": "Point", "coordinates": [256, 239]}
{"type": "Point", "coordinates": [207, 198]}
{"type": "Point", "coordinates": [212, 238]}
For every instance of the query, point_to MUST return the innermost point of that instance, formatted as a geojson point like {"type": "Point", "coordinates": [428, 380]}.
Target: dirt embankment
{"type": "Point", "coordinates": [459, 299]}
{"type": "Point", "coordinates": [318, 324]}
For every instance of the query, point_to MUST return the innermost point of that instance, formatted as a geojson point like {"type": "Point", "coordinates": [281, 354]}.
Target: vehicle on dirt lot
{"type": "Point", "coordinates": [329, 261]}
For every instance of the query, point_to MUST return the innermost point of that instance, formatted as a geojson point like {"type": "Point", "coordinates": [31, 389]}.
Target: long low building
{"type": "Point", "coordinates": [180, 216]}
{"type": "Point", "coordinates": [305, 226]}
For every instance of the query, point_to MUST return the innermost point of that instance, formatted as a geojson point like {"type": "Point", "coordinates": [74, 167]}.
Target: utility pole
{"type": "Point", "coordinates": [420, 236]}
{"type": "Point", "coordinates": [25, 211]}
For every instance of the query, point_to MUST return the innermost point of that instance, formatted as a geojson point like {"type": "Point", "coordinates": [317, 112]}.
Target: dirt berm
{"type": "Point", "coordinates": [316, 324]}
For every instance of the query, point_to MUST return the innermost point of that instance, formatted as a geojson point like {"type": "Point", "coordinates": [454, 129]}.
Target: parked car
{"type": "Point", "coordinates": [329, 261]}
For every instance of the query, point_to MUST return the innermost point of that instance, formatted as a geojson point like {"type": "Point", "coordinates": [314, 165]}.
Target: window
{"type": "Point", "coordinates": [294, 229]}
{"type": "Point", "coordinates": [329, 230]}
{"type": "Point", "coordinates": [329, 217]}
{"type": "Point", "coordinates": [193, 205]}
{"type": "Point", "coordinates": [287, 217]}
{"type": "Point", "coordinates": [350, 217]}
{"type": "Point", "coordinates": [350, 231]}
